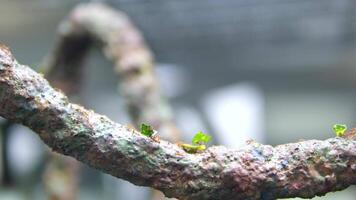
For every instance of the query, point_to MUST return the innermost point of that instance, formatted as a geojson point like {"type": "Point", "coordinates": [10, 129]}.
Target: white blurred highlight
{"type": "Point", "coordinates": [236, 113]}
{"type": "Point", "coordinates": [174, 80]}
{"type": "Point", "coordinates": [25, 151]}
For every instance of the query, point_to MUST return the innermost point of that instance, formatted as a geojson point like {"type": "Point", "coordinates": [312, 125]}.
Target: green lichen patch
{"type": "Point", "coordinates": [189, 148]}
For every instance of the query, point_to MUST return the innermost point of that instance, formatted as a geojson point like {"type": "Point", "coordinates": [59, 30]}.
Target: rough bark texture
{"type": "Point", "coordinates": [123, 44]}
{"type": "Point", "coordinates": [61, 175]}
{"type": "Point", "coordinates": [303, 169]}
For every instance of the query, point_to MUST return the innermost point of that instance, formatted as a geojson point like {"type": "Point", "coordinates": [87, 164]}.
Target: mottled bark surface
{"type": "Point", "coordinates": [303, 169]}
{"type": "Point", "coordinates": [95, 24]}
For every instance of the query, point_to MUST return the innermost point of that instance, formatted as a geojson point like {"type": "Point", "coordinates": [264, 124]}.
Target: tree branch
{"type": "Point", "coordinates": [303, 169]}
{"type": "Point", "coordinates": [124, 45]}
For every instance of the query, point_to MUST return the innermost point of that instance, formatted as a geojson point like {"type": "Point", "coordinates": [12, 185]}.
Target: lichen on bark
{"type": "Point", "coordinates": [303, 169]}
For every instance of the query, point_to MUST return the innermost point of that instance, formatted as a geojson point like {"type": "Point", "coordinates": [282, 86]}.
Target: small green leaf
{"type": "Point", "coordinates": [146, 130]}
{"type": "Point", "coordinates": [339, 129]}
{"type": "Point", "coordinates": [193, 148]}
{"type": "Point", "coordinates": [201, 138]}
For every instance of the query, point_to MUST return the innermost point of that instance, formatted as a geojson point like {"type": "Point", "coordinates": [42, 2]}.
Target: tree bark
{"type": "Point", "coordinates": [94, 24]}
{"type": "Point", "coordinates": [257, 171]}
{"type": "Point", "coordinates": [123, 44]}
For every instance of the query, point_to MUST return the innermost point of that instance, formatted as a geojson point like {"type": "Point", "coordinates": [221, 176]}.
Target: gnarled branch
{"type": "Point", "coordinates": [303, 169]}
{"type": "Point", "coordinates": [123, 44]}
{"type": "Point", "coordinates": [95, 23]}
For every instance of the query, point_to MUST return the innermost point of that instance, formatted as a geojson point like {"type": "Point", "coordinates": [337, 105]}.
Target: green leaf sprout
{"type": "Point", "coordinates": [198, 143]}
{"type": "Point", "coordinates": [147, 130]}
{"type": "Point", "coordinates": [339, 129]}
{"type": "Point", "coordinates": [201, 138]}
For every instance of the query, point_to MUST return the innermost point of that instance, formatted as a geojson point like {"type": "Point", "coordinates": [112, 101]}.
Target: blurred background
{"type": "Point", "coordinates": [271, 70]}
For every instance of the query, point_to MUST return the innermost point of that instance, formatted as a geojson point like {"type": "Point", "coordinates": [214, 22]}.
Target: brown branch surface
{"type": "Point", "coordinates": [123, 44]}
{"type": "Point", "coordinates": [303, 169]}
